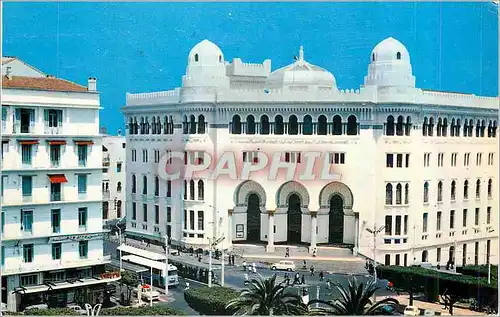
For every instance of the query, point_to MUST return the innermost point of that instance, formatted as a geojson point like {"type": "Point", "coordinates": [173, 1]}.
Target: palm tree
{"type": "Point", "coordinates": [355, 300]}
{"type": "Point", "coordinates": [266, 297]}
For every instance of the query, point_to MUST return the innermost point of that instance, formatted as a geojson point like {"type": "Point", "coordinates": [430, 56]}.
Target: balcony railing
{"type": "Point", "coordinates": [54, 163]}
{"type": "Point", "coordinates": [23, 128]}
{"type": "Point", "coordinates": [52, 265]}
{"type": "Point", "coordinates": [55, 196]}
{"type": "Point", "coordinates": [53, 130]}
{"type": "Point", "coordinates": [105, 195]}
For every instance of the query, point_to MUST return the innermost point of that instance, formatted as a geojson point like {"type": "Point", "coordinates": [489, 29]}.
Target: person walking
{"type": "Point", "coordinates": [303, 280]}
{"type": "Point", "coordinates": [321, 275]}
{"type": "Point", "coordinates": [328, 284]}
{"type": "Point", "coordinates": [296, 280]}
{"type": "Point", "coordinates": [254, 268]}
{"type": "Point", "coordinates": [314, 252]}
{"type": "Point", "coordinates": [304, 265]}
{"type": "Point", "coordinates": [246, 279]}
{"type": "Point", "coordinates": [244, 265]}
{"type": "Point", "coordinates": [312, 270]}
{"type": "Point", "coordinates": [287, 252]}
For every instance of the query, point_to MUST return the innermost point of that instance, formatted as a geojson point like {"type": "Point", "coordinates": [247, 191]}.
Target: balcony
{"type": "Point", "coordinates": [105, 195]}
{"type": "Point", "coordinates": [105, 161]}
{"type": "Point", "coordinates": [55, 196]}
{"type": "Point", "coordinates": [55, 163]}
{"type": "Point", "coordinates": [52, 130]}
{"type": "Point", "coordinates": [23, 128]}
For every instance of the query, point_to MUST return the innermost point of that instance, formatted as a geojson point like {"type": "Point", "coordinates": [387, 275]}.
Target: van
{"type": "Point", "coordinates": [283, 265]}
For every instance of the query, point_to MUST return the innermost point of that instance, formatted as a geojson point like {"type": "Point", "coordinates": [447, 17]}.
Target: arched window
{"type": "Point", "coordinates": [478, 128]}
{"type": "Point", "coordinates": [398, 55]}
{"type": "Point", "coordinates": [278, 125]}
{"type": "Point", "coordinates": [165, 125]}
{"type": "Point", "coordinates": [154, 125]}
{"type": "Point", "coordinates": [143, 130]}
{"type": "Point", "coordinates": [322, 125]}
{"type": "Point", "coordinates": [293, 125]}
{"type": "Point", "coordinates": [192, 124]}
{"type": "Point", "coordinates": [134, 184]}
{"type": "Point", "coordinates": [389, 126]}
{"type": "Point", "coordinates": [119, 187]}
{"type": "Point", "coordinates": [185, 125]}
{"type": "Point", "coordinates": [466, 128]}
{"type": "Point", "coordinates": [196, 57]}
{"type": "Point", "coordinates": [494, 130]}
{"type": "Point", "coordinates": [264, 124]}
{"type": "Point", "coordinates": [471, 127]}
{"type": "Point", "coordinates": [407, 194]}
{"type": "Point", "coordinates": [352, 125]}
{"type": "Point", "coordinates": [490, 185]}
{"type": "Point", "coordinates": [445, 127]}
{"type": "Point", "coordinates": [490, 128]}
{"type": "Point", "coordinates": [201, 190]}
{"type": "Point", "coordinates": [118, 208]}
{"type": "Point", "coordinates": [136, 126]}
{"type": "Point", "coordinates": [144, 185]}
{"type": "Point", "coordinates": [430, 132]}
{"type": "Point", "coordinates": [388, 194]}
{"type": "Point", "coordinates": [169, 189]}
{"type": "Point", "coordinates": [236, 124]}
{"type": "Point", "coordinates": [424, 256]}
{"type": "Point", "coordinates": [483, 127]}
{"type": "Point", "coordinates": [399, 126]}
{"type": "Point", "coordinates": [307, 126]}
{"type": "Point", "coordinates": [426, 192]}
{"type": "Point", "coordinates": [373, 57]}
{"type": "Point", "coordinates": [201, 124]}
{"type": "Point", "coordinates": [440, 191]}
{"type": "Point", "coordinates": [478, 189]}
{"type": "Point", "coordinates": [452, 128]}
{"type": "Point", "coordinates": [250, 124]}
{"type": "Point", "coordinates": [157, 186]}
{"type": "Point", "coordinates": [191, 189]}
{"type": "Point", "coordinates": [399, 190]}
{"type": "Point", "coordinates": [424, 127]}
{"type": "Point", "coordinates": [171, 128]}
{"type": "Point", "coordinates": [185, 189]}
{"type": "Point", "coordinates": [408, 126]}
{"type": "Point", "coordinates": [453, 190]}
{"type": "Point", "coordinates": [466, 189]}
{"type": "Point", "coordinates": [131, 126]}
{"type": "Point", "coordinates": [439, 127]}
{"type": "Point", "coordinates": [337, 125]}
{"type": "Point", "coordinates": [457, 131]}
{"type": "Point", "coordinates": [158, 125]}
{"type": "Point", "coordinates": [146, 125]}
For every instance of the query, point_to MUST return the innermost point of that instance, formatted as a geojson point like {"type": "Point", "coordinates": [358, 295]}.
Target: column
{"type": "Point", "coordinates": [314, 225]}
{"type": "Point", "coordinates": [270, 233]}
{"type": "Point", "coordinates": [356, 232]}
{"type": "Point", "coordinates": [230, 226]}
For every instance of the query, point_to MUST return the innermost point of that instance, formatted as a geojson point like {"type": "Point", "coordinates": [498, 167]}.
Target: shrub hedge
{"type": "Point", "coordinates": [142, 311]}
{"type": "Point", "coordinates": [51, 312]}
{"type": "Point", "coordinates": [479, 271]}
{"type": "Point", "coordinates": [210, 301]}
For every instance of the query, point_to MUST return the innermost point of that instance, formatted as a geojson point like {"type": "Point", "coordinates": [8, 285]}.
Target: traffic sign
{"type": "Point", "coordinates": [219, 240]}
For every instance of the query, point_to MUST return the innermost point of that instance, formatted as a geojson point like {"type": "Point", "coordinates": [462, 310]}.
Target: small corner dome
{"type": "Point", "coordinates": [389, 49]}
{"type": "Point", "coordinates": [206, 53]}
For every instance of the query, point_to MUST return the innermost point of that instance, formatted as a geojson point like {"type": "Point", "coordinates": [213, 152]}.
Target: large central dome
{"type": "Point", "coordinates": [300, 74]}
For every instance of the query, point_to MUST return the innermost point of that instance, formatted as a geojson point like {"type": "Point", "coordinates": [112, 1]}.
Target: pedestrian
{"type": "Point", "coordinates": [312, 270]}
{"type": "Point", "coordinates": [321, 275]}
{"type": "Point", "coordinates": [328, 284]}
{"type": "Point", "coordinates": [232, 259]}
{"type": "Point", "coordinates": [390, 286]}
{"type": "Point", "coordinates": [314, 253]}
{"type": "Point", "coordinates": [296, 279]}
{"type": "Point", "coordinates": [304, 265]}
{"type": "Point", "coordinates": [187, 286]}
{"type": "Point", "coordinates": [254, 268]}
{"type": "Point", "coordinates": [303, 280]}
{"type": "Point", "coordinates": [244, 265]}
{"type": "Point", "coordinates": [246, 279]}
{"type": "Point", "coordinates": [287, 252]}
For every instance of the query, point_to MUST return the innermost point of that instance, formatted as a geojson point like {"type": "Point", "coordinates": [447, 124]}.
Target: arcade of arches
{"type": "Point", "coordinates": [292, 221]}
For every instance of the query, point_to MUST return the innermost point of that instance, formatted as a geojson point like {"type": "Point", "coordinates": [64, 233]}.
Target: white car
{"type": "Point", "coordinates": [283, 265]}
{"type": "Point", "coordinates": [411, 311]}
{"type": "Point", "coordinates": [78, 309]}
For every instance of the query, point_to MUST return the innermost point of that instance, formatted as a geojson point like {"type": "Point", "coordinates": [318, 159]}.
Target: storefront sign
{"type": "Point", "coordinates": [76, 237]}
{"type": "Point", "coordinates": [109, 275]}
{"type": "Point", "coordinates": [240, 231]}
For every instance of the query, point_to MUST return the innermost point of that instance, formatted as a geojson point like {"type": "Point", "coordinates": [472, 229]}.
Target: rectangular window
{"type": "Point", "coordinates": [134, 211]}
{"type": "Point", "coordinates": [452, 219]}
{"type": "Point", "coordinates": [26, 153]}
{"type": "Point", "coordinates": [82, 217]}
{"type": "Point", "coordinates": [488, 215]}
{"type": "Point", "coordinates": [27, 220]}
{"type": "Point", "coordinates": [337, 158]}
{"type": "Point", "coordinates": [134, 155]}
{"type": "Point", "coordinates": [56, 251]}
{"type": "Point", "coordinates": [82, 183]}
{"type": "Point", "coordinates": [82, 155]}
{"type": "Point", "coordinates": [389, 160]}
{"type": "Point", "coordinates": [200, 220]}
{"type": "Point", "coordinates": [28, 253]}
{"type": "Point", "coordinates": [83, 247]}
{"type": "Point", "coordinates": [4, 182]}
{"type": "Point", "coordinates": [388, 225]}
{"type": "Point", "coordinates": [53, 118]}
{"type": "Point", "coordinates": [387, 259]}
{"type": "Point", "coordinates": [169, 188]}
{"type": "Point", "coordinates": [145, 212]}
{"type": "Point", "coordinates": [407, 161]}
{"type": "Point", "coordinates": [27, 184]}
{"type": "Point", "coordinates": [476, 217]}
{"type": "Point", "coordinates": [191, 219]}
{"type": "Point", "coordinates": [169, 214]}
{"type": "Point", "coordinates": [405, 225]}
{"type": "Point", "coordinates": [144, 155]}
{"type": "Point", "coordinates": [56, 220]}
{"type": "Point", "coordinates": [399, 160]}
{"type": "Point", "coordinates": [3, 255]}
{"type": "Point", "coordinates": [438, 255]}
{"type": "Point", "coordinates": [105, 210]}
{"type": "Point", "coordinates": [185, 219]}
{"type": "Point", "coordinates": [476, 253]}
{"type": "Point", "coordinates": [3, 222]}
{"type": "Point", "coordinates": [398, 225]}
{"type": "Point", "coordinates": [29, 280]}
{"type": "Point", "coordinates": [55, 155]}
{"type": "Point", "coordinates": [488, 250]}
{"type": "Point", "coordinates": [464, 255]}
{"type": "Point", "coordinates": [438, 221]}
{"type": "Point", "coordinates": [427, 158]}
{"type": "Point", "coordinates": [424, 222]}
{"type": "Point", "coordinates": [479, 156]}
{"type": "Point", "coordinates": [118, 167]}
{"type": "Point", "coordinates": [55, 192]}
{"type": "Point", "coordinates": [464, 218]}
{"type": "Point", "coordinates": [440, 159]}
{"type": "Point", "coordinates": [397, 259]}
{"type": "Point", "coordinates": [157, 214]}
{"type": "Point", "coordinates": [5, 148]}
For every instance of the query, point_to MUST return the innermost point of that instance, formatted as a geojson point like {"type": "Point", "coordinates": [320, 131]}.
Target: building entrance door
{"type": "Point", "coordinates": [294, 219]}
{"type": "Point", "coordinates": [253, 218]}
{"type": "Point", "coordinates": [336, 220]}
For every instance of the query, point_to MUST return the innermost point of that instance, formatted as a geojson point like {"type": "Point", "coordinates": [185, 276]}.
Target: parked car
{"type": "Point", "coordinates": [38, 306]}
{"type": "Point", "coordinates": [411, 311]}
{"type": "Point", "coordinates": [78, 309]}
{"type": "Point", "coordinates": [429, 312]}
{"type": "Point", "coordinates": [283, 265]}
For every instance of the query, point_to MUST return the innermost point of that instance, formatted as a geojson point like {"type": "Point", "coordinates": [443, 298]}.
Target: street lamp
{"type": "Point", "coordinates": [166, 263]}
{"type": "Point", "coordinates": [120, 240]}
{"type": "Point", "coordinates": [374, 232]}
{"type": "Point", "coordinates": [490, 230]}
{"type": "Point", "coordinates": [214, 241]}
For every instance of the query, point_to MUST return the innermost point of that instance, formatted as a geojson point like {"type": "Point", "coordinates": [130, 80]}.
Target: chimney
{"type": "Point", "coordinates": [92, 84]}
{"type": "Point", "coordinates": [51, 76]}
{"type": "Point", "coordinates": [8, 72]}
{"type": "Point", "coordinates": [103, 130]}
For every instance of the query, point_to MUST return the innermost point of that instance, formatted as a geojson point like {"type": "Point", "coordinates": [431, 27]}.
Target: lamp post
{"type": "Point", "coordinates": [374, 232]}
{"type": "Point", "coordinates": [151, 288]}
{"type": "Point", "coordinates": [490, 230]}
{"type": "Point", "coordinates": [120, 242]}
{"type": "Point", "coordinates": [166, 264]}
{"type": "Point", "coordinates": [209, 262]}
{"type": "Point", "coordinates": [214, 241]}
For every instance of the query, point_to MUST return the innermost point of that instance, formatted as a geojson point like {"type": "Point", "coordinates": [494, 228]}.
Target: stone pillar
{"type": "Point", "coordinates": [270, 233]}
{"type": "Point", "coordinates": [356, 232]}
{"type": "Point", "coordinates": [314, 225]}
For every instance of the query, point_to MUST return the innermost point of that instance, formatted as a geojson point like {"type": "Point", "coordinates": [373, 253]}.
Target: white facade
{"type": "Point", "coordinates": [51, 187]}
{"type": "Point", "coordinates": [239, 107]}
{"type": "Point", "coordinates": [113, 182]}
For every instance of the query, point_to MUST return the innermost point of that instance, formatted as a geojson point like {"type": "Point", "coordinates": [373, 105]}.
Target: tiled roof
{"type": "Point", "coordinates": [6, 59]}
{"type": "Point", "coordinates": [41, 83]}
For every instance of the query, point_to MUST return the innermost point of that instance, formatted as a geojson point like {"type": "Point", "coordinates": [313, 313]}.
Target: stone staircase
{"type": "Point", "coordinates": [295, 251]}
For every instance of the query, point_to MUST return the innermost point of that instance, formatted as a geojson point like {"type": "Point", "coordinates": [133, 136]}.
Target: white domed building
{"type": "Point", "coordinates": [274, 158]}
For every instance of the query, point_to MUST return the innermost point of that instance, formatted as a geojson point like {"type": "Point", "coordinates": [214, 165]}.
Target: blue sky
{"type": "Point", "coordinates": [142, 47]}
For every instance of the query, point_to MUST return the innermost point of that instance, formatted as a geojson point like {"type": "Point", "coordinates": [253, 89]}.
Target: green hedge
{"type": "Point", "coordinates": [210, 301]}
{"type": "Point", "coordinates": [142, 311]}
{"type": "Point", "coordinates": [51, 312]}
{"type": "Point", "coordinates": [479, 271]}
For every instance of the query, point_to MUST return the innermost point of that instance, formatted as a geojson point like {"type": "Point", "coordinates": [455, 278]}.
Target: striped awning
{"type": "Point", "coordinates": [84, 142]}
{"type": "Point", "coordinates": [57, 142]}
{"type": "Point", "coordinates": [58, 178]}
{"type": "Point", "coordinates": [28, 142]}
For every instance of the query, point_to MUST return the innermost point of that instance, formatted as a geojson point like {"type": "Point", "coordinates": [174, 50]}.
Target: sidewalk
{"type": "Point", "coordinates": [405, 300]}
{"type": "Point", "coordinates": [310, 258]}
